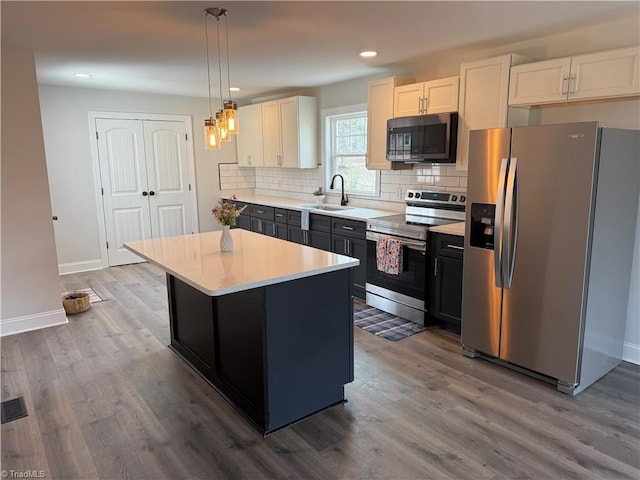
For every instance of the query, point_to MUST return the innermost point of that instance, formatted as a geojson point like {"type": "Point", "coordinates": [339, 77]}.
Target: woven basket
{"type": "Point", "coordinates": [76, 302]}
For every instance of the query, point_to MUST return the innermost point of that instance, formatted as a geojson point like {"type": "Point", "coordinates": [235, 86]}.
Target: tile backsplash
{"type": "Point", "coordinates": [298, 183]}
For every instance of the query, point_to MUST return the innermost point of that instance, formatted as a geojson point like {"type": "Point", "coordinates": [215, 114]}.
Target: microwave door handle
{"type": "Point", "coordinates": [498, 222]}
{"type": "Point", "coordinates": [510, 232]}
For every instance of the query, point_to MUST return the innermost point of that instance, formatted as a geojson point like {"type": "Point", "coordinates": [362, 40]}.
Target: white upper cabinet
{"type": "Point", "coordinates": [290, 132]}
{"type": "Point", "coordinates": [484, 92]}
{"type": "Point", "coordinates": [379, 110]}
{"type": "Point", "coordinates": [607, 74]}
{"type": "Point", "coordinates": [434, 96]}
{"type": "Point", "coordinates": [249, 138]}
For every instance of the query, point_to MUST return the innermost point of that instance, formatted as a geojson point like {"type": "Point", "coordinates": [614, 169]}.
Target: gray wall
{"type": "Point", "coordinates": [29, 273]}
{"type": "Point", "coordinates": [67, 142]}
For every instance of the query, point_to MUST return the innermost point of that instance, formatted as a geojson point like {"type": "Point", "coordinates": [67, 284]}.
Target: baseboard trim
{"type": "Point", "coordinates": [26, 323]}
{"type": "Point", "coordinates": [631, 353]}
{"type": "Point", "coordinates": [77, 267]}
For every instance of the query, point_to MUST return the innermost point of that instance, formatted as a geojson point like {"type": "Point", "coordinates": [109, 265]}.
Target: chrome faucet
{"type": "Point", "coordinates": [345, 199]}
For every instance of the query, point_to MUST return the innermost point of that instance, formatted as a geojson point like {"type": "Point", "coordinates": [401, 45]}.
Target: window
{"type": "Point", "coordinates": [346, 150]}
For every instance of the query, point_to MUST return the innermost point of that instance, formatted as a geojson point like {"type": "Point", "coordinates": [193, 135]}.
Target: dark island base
{"type": "Point", "coordinates": [278, 353]}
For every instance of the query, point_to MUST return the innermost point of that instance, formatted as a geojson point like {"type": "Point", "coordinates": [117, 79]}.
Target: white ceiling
{"type": "Point", "coordinates": [274, 46]}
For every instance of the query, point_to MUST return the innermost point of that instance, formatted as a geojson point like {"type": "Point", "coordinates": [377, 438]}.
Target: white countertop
{"type": "Point", "coordinates": [354, 213]}
{"type": "Point", "coordinates": [451, 229]}
{"type": "Point", "coordinates": [257, 260]}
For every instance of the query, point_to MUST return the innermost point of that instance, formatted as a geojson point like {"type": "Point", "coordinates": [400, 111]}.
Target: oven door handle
{"type": "Point", "coordinates": [405, 242]}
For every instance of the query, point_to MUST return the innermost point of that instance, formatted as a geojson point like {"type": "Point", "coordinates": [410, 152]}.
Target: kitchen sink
{"type": "Point", "coordinates": [328, 208]}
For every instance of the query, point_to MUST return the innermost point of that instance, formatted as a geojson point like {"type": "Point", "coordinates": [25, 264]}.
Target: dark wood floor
{"type": "Point", "coordinates": [107, 399]}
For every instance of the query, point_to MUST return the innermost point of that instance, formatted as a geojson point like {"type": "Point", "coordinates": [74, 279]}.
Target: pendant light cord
{"type": "Point", "coordinates": [206, 36]}
{"type": "Point", "coordinates": [226, 29]}
{"type": "Point", "coordinates": [220, 63]}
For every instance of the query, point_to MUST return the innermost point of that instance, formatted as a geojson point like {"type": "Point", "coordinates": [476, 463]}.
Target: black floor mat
{"type": "Point", "coordinates": [13, 409]}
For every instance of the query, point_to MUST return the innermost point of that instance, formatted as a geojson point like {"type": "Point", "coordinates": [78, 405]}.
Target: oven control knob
{"type": "Point", "coordinates": [410, 194]}
{"type": "Point", "coordinates": [462, 198]}
{"type": "Point", "coordinates": [454, 198]}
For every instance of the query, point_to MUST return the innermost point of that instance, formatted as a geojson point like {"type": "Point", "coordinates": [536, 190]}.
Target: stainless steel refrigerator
{"type": "Point", "coordinates": [550, 225]}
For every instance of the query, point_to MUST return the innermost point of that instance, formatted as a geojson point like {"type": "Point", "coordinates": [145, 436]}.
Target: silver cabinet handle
{"type": "Point", "coordinates": [435, 268]}
{"type": "Point", "coordinates": [572, 85]}
{"type": "Point", "coordinates": [345, 227]}
{"type": "Point", "coordinates": [260, 226]}
{"type": "Point", "coordinates": [260, 211]}
{"type": "Point", "coordinates": [455, 247]}
{"type": "Point", "coordinates": [565, 85]}
{"type": "Point", "coordinates": [273, 229]}
{"type": "Point", "coordinates": [426, 105]}
{"type": "Point", "coordinates": [279, 215]}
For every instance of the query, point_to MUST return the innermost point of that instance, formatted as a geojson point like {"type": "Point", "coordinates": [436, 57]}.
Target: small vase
{"type": "Point", "coordinates": [226, 241]}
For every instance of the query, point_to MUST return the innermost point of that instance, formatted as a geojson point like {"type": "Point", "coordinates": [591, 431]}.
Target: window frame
{"type": "Point", "coordinates": [328, 116]}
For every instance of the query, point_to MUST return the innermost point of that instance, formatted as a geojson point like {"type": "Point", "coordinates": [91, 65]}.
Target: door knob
{"type": "Point", "coordinates": [144, 194]}
{"type": "Point", "coordinates": [152, 193]}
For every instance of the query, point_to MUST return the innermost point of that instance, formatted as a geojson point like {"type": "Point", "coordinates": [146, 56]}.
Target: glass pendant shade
{"type": "Point", "coordinates": [211, 134]}
{"type": "Point", "coordinates": [231, 116]}
{"type": "Point", "coordinates": [222, 126]}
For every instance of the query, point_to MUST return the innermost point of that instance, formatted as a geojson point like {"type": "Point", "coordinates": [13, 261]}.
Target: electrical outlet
{"type": "Point", "coordinates": [399, 193]}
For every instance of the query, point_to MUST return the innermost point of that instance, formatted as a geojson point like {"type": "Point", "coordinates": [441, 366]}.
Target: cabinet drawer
{"type": "Point", "coordinates": [261, 211]}
{"type": "Point", "coordinates": [448, 245]}
{"type": "Point", "coordinates": [349, 228]}
{"type": "Point", "coordinates": [280, 215]}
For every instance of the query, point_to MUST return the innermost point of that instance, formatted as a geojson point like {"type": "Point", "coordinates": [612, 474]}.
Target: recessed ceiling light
{"type": "Point", "coordinates": [368, 54]}
{"type": "Point", "coordinates": [82, 75]}
{"type": "Point", "coordinates": [234, 89]}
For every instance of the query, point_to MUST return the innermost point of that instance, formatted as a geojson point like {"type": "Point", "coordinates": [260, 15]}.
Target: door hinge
{"type": "Point", "coordinates": [102, 190]}
{"type": "Point", "coordinates": [96, 135]}
{"type": "Point", "coordinates": [186, 137]}
{"type": "Point", "coordinates": [107, 244]}
{"type": "Point", "coordinates": [189, 187]}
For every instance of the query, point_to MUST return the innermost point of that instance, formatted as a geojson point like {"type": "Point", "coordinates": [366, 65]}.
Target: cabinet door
{"type": "Point", "coordinates": [256, 225]}
{"type": "Point", "coordinates": [484, 89]}
{"type": "Point", "coordinates": [295, 234]}
{"type": "Point", "coordinates": [280, 231]}
{"type": "Point", "coordinates": [358, 249]}
{"type": "Point", "coordinates": [605, 74]}
{"type": "Point", "coordinates": [407, 100]}
{"type": "Point", "coordinates": [447, 291]}
{"type": "Point", "coordinates": [288, 110]}
{"type": "Point", "coordinates": [379, 110]}
{"type": "Point", "coordinates": [249, 138]}
{"type": "Point", "coordinates": [540, 82]}
{"type": "Point", "coordinates": [271, 134]}
{"type": "Point", "coordinates": [321, 240]}
{"type": "Point", "coordinates": [243, 222]}
{"type": "Point", "coordinates": [441, 96]}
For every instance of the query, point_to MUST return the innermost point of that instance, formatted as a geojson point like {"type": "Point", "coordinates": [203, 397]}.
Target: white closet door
{"type": "Point", "coordinates": [168, 178]}
{"type": "Point", "coordinates": [123, 173]}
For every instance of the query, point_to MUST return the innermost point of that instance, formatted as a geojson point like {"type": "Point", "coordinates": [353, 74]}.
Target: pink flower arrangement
{"type": "Point", "coordinates": [226, 211]}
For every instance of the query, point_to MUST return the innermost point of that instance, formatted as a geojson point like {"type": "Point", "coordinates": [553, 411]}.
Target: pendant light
{"type": "Point", "coordinates": [225, 123]}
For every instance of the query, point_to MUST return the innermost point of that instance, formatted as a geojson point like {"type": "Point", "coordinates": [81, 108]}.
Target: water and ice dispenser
{"type": "Point", "coordinates": [482, 224]}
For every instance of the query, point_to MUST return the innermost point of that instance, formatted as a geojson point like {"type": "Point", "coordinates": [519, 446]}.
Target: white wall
{"type": "Point", "coordinates": [617, 114]}
{"type": "Point", "coordinates": [67, 144]}
{"type": "Point", "coordinates": [31, 296]}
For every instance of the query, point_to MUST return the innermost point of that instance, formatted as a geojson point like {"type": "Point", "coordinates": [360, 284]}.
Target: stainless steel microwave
{"type": "Point", "coordinates": [423, 138]}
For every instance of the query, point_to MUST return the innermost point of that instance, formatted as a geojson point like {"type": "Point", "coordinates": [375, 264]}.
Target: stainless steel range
{"type": "Point", "coordinates": [405, 294]}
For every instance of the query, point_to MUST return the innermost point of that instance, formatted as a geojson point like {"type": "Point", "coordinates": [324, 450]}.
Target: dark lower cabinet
{"type": "Point", "coordinates": [445, 283]}
{"type": "Point", "coordinates": [356, 248]}
{"type": "Point", "coordinates": [276, 362]}
{"type": "Point", "coordinates": [349, 238]}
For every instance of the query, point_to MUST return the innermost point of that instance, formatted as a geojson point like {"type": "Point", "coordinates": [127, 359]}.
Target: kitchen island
{"type": "Point", "coordinates": [269, 325]}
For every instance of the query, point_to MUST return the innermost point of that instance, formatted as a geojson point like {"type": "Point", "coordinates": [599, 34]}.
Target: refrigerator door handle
{"type": "Point", "coordinates": [510, 233]}
{"type": "Point", "coordinates": [498, 223]}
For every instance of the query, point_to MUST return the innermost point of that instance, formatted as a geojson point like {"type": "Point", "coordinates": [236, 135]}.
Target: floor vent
{"type": "Point", "coordinates": [13, 409]}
